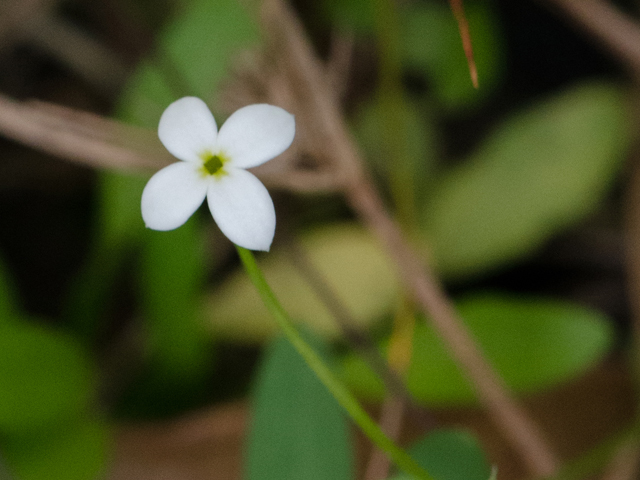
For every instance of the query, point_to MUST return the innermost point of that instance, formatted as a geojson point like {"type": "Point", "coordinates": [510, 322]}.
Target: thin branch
{"type": "Point", "coordinates": [463, 27]}
{"type": "Point", "coordinates": [626, 462]}
{"type": "Point", "coordinates": [284, 28]}
{"type": "Point", "coordinates": [81, 137]}
{"type": "Point", "coordinates": [391, 416]}
{"type": "Point", "coordinates": [399, 357]}
{"type": "Point", "coordinates": [339, 64]}
{"type": "Point", "coordinates": [616, 30]}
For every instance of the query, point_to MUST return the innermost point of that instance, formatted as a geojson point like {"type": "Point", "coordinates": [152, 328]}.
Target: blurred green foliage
{"type": "Point", "coordinates": [298, 430]}
{"type": "Point", "coordinates": [538, 172]}
{"type": "Point", "coordinates": [431, 46]}
{"type": "Point", "coordinates": [48, 428]}
{"type": "Point", "coordinates": [45, 377]}
{"type": "Point", "coordinates": [347, 257]}
{"type": "Point", "coordinates": [450, 454]}
{"type": "Point", "coordinates": [533, 343]}
{"type": "Point", "coordinates": [71, 451]}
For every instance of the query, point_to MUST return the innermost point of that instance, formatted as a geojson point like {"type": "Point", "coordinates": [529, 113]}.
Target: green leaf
{"type": "Point", "coordinates": [172, 276]}
{"type": "Point", "coordinates": [420, 136]}
{"type": "Point", "coordinates": [120, 223]}
{"type": "Point", "coordinates": [450, 454]}
{"type": "Point", "coordinates": [351, 15]}
{"type": "Point", "coordinates": [349, 259]}
{"type": "Point", "coordinates": [431, 44]}
{"type": "Point", "coordinates": [76, 451]}
{"type": "Point", "coordinates": [298, 431]}
{"type": "Point", "coordinates": [196, 52]}
{"type": "Point", "coordinates": [45, 376]}
{"type": "Point", "coordinates": [539, 172]}
{"type": "Point", "coordinates": [533, 343]}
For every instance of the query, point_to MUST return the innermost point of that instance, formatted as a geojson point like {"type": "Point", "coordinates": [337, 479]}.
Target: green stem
{"type": "Point", "coordinates": [337, 389]}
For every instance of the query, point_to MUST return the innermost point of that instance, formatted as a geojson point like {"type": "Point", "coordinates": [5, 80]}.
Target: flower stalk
{"type": "Point", "coordinates": [342, 395]}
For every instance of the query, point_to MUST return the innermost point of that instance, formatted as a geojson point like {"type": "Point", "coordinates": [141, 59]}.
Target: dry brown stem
{"type": "Point", "coordinates": [81, 137]}
{"type": "Point", "coordinates": [391, 416]}
{"type": "Point", "coordinates": [325, 120]}
{"type": "Point", "coordinates": [616, 30]}
{"type": "Point", "coordinates": [463, 26]}
{"type": "Point", "coordinates": [626, 462]}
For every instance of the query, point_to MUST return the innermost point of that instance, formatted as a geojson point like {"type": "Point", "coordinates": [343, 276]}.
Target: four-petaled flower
{"type": "Point", "coordinates": [213, 167]}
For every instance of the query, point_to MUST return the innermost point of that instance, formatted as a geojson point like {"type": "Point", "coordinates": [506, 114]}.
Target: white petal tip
{"type": "Point", "coordinates": [256, 246]}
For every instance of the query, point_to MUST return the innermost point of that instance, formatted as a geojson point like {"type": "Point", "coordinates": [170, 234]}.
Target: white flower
{"type": "Point", "coordinates": [213, 167]}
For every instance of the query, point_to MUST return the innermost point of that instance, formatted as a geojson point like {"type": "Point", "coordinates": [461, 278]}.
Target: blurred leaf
{"type": "Point", "coordinates": [532, 343]}
{"type": "Point", "coordinates": [420, 136]}
{"type": "Point", "coordinates": [196, 52]}
{"type": "Point", "coordinates": [298, 430]}
{"type": "Point", "coordinates": [45, 376]}
{"type": "Point", "coordinates": [348, 258]}
{"type": "Point", "coordinates": [538, 173]}
{"type": "Point", "coordinates": [119, 221]}
{"type": "Point", "coordinates": [172, 276]}
{"type": "Point", "coordinates": [351, 15]}
{"type": "Point", "coordinates": [70, 452]}
{"type": "Point", "coordinates": [431, 44]}
{"type": "Point", "coordinates": [450, 454]}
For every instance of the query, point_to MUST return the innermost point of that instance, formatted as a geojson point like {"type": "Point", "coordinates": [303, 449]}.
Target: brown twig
{"type": "Point", "coordinates": [626, 462]}
{"type": "Point", "coordinates": [616, 30]}
{"type": "Point", "coordinates": [329, 129]}
{"type": "Point", "coordinates": [339, 63]}
{"type": "Point", "coordinates": [391, 416]}
{"type": "Point", "coordinates": [82, 137]}
{"type": "Point", "coordinates": [463, 27]}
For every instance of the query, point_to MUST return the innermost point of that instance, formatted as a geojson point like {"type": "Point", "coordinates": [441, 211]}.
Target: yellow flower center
{"type": "Point", "coordinates": [212, 164]}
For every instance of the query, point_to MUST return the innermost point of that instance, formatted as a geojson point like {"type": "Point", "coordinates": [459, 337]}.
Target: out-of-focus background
{"type": "Point", "coordinates": [127, 353]}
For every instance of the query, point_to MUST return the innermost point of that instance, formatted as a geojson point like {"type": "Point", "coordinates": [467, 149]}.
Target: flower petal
{"type": "Point", "coordinates": [255, 134]}
{"type": "Point", "coordinates": [242, 208]}
{"type": "Point", "coordinates": [172, 195]}
{"type": "Point", "coordinates": [187, 129]}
